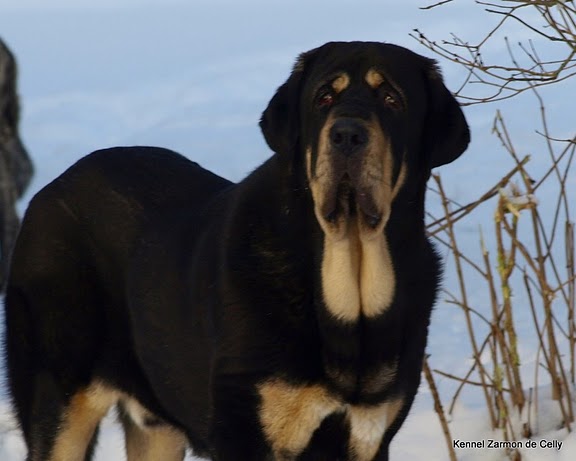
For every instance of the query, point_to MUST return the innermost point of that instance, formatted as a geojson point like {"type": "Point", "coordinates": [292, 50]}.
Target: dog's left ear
{"type": "Point", "coordinates": [280, 122]}
{"type": "Point", "coordinates": [446, 134]}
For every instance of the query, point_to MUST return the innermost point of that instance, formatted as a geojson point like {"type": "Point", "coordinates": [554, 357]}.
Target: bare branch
{"type": "Point", "coordinates": [550, 21]}
{"type": "Point", "coordinates": [429, 7]}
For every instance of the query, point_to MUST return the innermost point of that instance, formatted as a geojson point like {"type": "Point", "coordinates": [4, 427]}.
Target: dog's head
{"type": "Point", "coordinates": [366, 118]}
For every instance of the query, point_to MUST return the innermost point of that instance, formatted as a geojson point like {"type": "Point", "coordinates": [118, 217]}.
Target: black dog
{"type": "Point", "coordinates": [15, 164]}
{"type": "Point", "coordinates": [281, 318]}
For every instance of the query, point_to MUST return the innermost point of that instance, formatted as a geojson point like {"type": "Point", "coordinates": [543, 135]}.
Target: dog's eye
{"type": "Point", "coordinates": [325, 99]}
{"type": "Point", "coordinates": [390, 98]}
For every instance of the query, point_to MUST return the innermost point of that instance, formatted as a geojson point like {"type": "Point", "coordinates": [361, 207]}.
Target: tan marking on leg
{"type": "Point", "coordinates": [374, 78]}
{"type": "Point", "coordinates": [368, 424]}
{"type": "Point", "coordinates": [165, 443]}
{"type": "Point", "coordinates": [290, 414]}
{"type": "Point", "coordinates": [152, 443]}
{"type": "Point", "coordinates": [341, 82]}
{"type": "Point", "coordinates": [137, 413]}
{"type": "Point", "coordinates": [80, 420]}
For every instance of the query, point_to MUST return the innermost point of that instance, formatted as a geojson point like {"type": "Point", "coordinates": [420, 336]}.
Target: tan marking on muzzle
{"type": "Point", "coordinates": [374, 78]}
{"type": "Point", "coordinates": [400, 180]}
{"type": "Point", "coordinates": [340, 272]}
{"type": "Point", "coordinates": [368, 424]}
{"type": "Point", "coordinates": [341, 82]}
{"type": "Point", "coordinates": [321, 179]}
{"type": "Point", "coordinates": [290, 414]}
{"type": "Point", "coordinates": [377, 276]}
{"type": "Point", "coordinates": [357, 269]}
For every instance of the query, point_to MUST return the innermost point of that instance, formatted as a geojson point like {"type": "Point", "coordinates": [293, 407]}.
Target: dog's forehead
{"type": "Point", "coordinates": [359, 60]}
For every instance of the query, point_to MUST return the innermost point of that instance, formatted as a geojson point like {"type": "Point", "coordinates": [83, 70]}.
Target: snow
{"type": "Point", "coordinates": [194, 77]}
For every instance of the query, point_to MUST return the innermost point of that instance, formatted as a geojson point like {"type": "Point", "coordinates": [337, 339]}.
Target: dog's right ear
{"type": "Point", "coordinates": [280, 122]}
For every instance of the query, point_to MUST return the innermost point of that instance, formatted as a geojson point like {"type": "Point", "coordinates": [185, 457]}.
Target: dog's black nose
{"type": "Point", "coordinates": [348, 135]}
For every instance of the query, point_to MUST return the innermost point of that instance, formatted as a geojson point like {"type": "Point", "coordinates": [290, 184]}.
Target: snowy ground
{"type": "Point", "coordinates": [194, 76]}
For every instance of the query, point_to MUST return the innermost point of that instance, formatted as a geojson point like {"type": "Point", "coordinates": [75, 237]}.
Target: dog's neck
{"type": "Point", "coordinates": [363, 282]}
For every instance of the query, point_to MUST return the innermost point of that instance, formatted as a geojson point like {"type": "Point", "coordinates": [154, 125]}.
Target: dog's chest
{"type": "Point", "coordinates": [290, 414]}
{"type": "Point", "coordinates": [360, 384]}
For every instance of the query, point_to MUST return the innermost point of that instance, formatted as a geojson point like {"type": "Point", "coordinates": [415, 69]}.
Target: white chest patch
{"type": "Point", "coordinates": [367, 427]}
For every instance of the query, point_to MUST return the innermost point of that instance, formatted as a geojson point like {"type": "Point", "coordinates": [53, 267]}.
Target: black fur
{"type": "Point", "coordinates": [140, 269]}
{"type": "Point", "coordinates": [15, 164]}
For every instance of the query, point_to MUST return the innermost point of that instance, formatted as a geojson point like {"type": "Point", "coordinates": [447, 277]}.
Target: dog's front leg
{"type": "Point", "coordinates": [236, 433]}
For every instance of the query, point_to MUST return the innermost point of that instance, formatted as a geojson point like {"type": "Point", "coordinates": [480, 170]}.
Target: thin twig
{"type": "Point", "coordinates": [439, 410]}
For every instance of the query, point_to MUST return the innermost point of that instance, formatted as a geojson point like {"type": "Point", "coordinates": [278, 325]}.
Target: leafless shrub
{"type": "Point", "coordinates": [530, 264]}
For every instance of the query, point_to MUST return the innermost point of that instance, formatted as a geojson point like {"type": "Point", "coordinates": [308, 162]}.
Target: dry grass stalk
{"type": "Point", "coordinates": [531, 258]}
{"type": "Point", "coordinates": [439, 410]}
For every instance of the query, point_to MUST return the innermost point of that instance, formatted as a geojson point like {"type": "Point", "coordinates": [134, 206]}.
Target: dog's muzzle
{"type": "Point", "coordinates": [348, 136]}
{"type": "Point", "coordinates": [352, 185]}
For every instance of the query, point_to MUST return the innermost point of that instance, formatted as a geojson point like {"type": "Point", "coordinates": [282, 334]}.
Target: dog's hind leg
{"type": "Point", "coordinates": [71, 435]}
{"type": "Point", "coordinates": [148, 438]}
{"type": "Point", "coordinates": [79, 423]}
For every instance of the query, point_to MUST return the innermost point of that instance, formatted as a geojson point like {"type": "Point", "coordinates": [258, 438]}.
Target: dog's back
{"type": "Point", "coordinates": [65, 314]}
